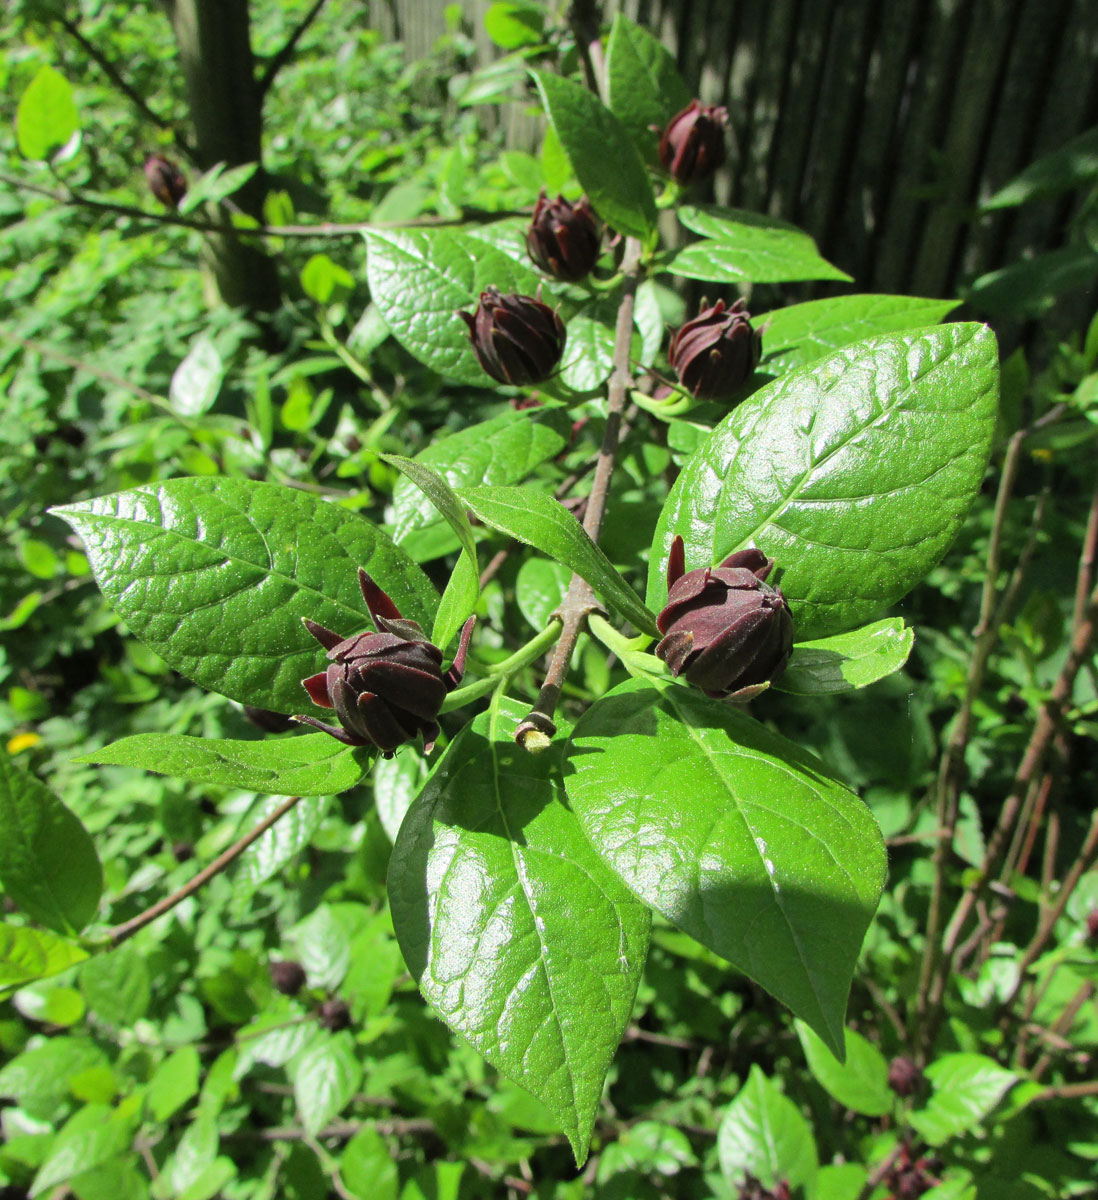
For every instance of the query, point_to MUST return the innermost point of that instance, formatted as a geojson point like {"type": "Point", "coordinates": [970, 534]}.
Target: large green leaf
{"type": "Point", "coordinates": [860, 1083]}
{"type": "Point", "coordinates": [326, 1075]}
{"type": "Point", "coordinates": [29, 954]}
{"type": "Point", "coordinates": [46, 117]}
{"type": "Point", "coordinates": [48, 864]}
{"type": "Point", "coordinates": [542, 522]}
{"type": "Point", "coordinates": [644, 87]}
{"type": "Point", "coordinates": [847, 661]}
{"type": "Point", "coordinates": [743, 246]}
{"type": "Point", "coordinates": [763, 1134]}
{"type": "Point", "coordinates": [800, 333]}
{"type": "Point", "coordinates": [602, 154]}
{"type": "Point", "coordinates": [853, 473]}
{"type": "Point", "coordinates": [88, 1140]}
{"type": "Point", "coordinates": [966, 1088]}
{"type": "Point", "coordinates": [313, 764]}
{"type": "Point", "coordinates": [521, 939]}
{"type": "Point", "coordinates": [216, 574]}
{"type": "Point", "coordinates": [736, 835]}
{"type": "Point", "coordinates": [420, 278]}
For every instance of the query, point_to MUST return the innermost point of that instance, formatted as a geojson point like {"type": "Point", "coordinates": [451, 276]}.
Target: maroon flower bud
{"type": "Point", "coordinates": [269, 722]}
{"type": "Point", "coordinates": [692, 145]}
{"type": "Point", "coordinates": [904, 1077]}
{"type": "Point", "coordinates": [725, 629]}
{"type": "Point", "coordinates": [386, 687]}
{"type": "Point", "coordinates": [182, 851]}
{"type": "Point", "coordinates": [517, 339]}
{"type": "Point", "coordinates": [715, 353]}
{"type": "Point", "coordinates": [334, 1015]}
{"type": "Point", "coordinates": [166, 181]}
{"type": "Point", "coordinates": [1092, 924]}
{"type": "Point", "coordinates": [288, 977]}
{"type": "Point", "coordinates": [563, 238]}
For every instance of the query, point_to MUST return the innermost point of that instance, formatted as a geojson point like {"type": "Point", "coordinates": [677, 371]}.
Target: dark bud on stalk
{"type": "Point", "coordinates": [288, 977]}
{"type": "Point", "coordinates": [563, 238]}
{"type": "Point", "coordinates": [334, 1015]}
{"type": "Point", "coordinates": [269, 722]}
{"type": "Point", "coordinates": [725, 629]}
{"type": "Point", "coordinates": [904, 1077]}
{"type": "Point", "coordinates": [715, 353]}
{"type": "Point", "coordinates": [166, 181]}
{"type": "Point", "coordinates": [1092, 924]}
{"type": "Point", "coordinates": [692, 145]}
{"type": "Point", "coordinates": [517, 339]}
{"type": "Point", "coordinates": [182, 851]}
{"type": "Point", "coordinates": [386, 687]}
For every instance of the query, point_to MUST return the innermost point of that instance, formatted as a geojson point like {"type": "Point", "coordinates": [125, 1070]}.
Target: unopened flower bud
{"type": "Point", "coordinates": [725, 629]}
{"type": "Point", "coordinates": [563, 239]}
{"type": "Point", "coordinates": [288, 977]}
{"type": "Point", "coordinates": [387, 687]}
{"type": "Point", "coordinates": [166, 181]}
{"type": "Point", "coordinates": [334, 1015]}
{"type": "Point", "coordinates": [1092, 924]}
{"type": "Point", "coordinates": [517, 339]}
{"type": "Point", "coordinates": [904, 1077]}
{"type": "Point", "coordinates": [714, 353]}
{"type": "Point", "coordinates": [692, 145]}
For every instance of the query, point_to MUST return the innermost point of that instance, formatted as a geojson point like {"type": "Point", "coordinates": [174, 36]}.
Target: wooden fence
{"type": "Point", "coordinates": [877, 125]}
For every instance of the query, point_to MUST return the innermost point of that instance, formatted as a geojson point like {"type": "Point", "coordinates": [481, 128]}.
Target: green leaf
{"type": "Point", "coordinates": [860, 1083]}
{"type": "Point", "coordinates": [39, 1079]}
{"type": "Point", "coordinates": [29, 954]}
{"type": "Point", "coordinates": [323, 280]}
{"type": "Point", "coordinates": [539, 588]}
{"type": "Point", "coordinates": [46, 117]}
{"type": "Point", "coordinates": [602, 155]}
{"type": "Point", "coordinates": [1073, 165]}
{"type": "Point", "coordinates": [644, 86]}
{"type": "Point", "coordinates": [854, 474]}
{"type": "Point", "coordinates": [801, 333]}
{"type": "Point", "coordinates": [50, 1004]}
{"type": "Point", "coordinates": [966, 1088]}
{"type": "Point", "coordinates": [736, 835]}
{"type": "Point", "coordinates": [763, 1134]}
{"type": "Point", "coordinates": [117, 986]}
{"type": "Point", "coordinates": [397, 782]}
{"type": "Point", "coordinates": [420, 278]}
{"type": "Point", "coordinates": [173, 1084]}
{"type": "Point", "coordinates": [847, 661]}
{"type": "Point", "coordinates": [367, 1168]}
{"type": "Point", "coordinates": [1030, 287]}
{"type": "Point", "coordinates": [87, 1140]}
{"type": "Point", "coordinates": [215, 575]}
{"type": "Point", "coordinates": [512, 25]}
{"type": "Point", "coordinates": [313, 764]}
{"type": "Point", "coordinates": [589, 357]}
{"type": "Point", "coordinates": [48, 863]}
{"type": "Point", "coordinates": [326, 1075]}
{"type": "Point", "coordinates": [742, 246]}
{"type": "Point", "coordinates": [843, 1181]}
{"type": "Point", "coordinates": [503, 450]}
{"type": "Point", "coordinates": [544, 523]}
{"type": "Point", "coordinates": [197, 380]}
{"type": "Point", "coordinates": [521, 940]}
{"type": "Point", "coordinates": [275, 847]}
{"type": "Point", "coordinates": [215, 185]}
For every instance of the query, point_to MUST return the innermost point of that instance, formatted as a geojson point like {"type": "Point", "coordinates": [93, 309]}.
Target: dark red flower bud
{"type": "Point", "coordinates": [715, 353]}
{"type": "Point", "coordinates": [692, 145]}
{"type": "Point", "coordinates": [269, 722]}
{"type": "Point", "coordinates": [726, 630]}
{"type": "Point", "coordinates": [386, 687]}
{"type": "Point", "coordinates": [288, 977]}
{"type": "Point", "coordinates": [904, 1077]}
{"type": "Point", "coordinates": [166, 181]}
{"type": "Point", "coordinates": [563, 238]}
{"type": "Point", "coordinates": [334, 1015]}
{"type": "Point", "coordinates": [182, 851]}
{"type": "Point", "coordinates": [517, 339]}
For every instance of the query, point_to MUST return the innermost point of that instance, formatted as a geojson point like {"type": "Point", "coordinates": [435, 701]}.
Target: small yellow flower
{"type": "Point", "coordinates": [23, 741]}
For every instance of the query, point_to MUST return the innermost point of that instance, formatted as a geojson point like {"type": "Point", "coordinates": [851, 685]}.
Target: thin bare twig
{"type": "Point", "coordinates": [1063, 1024]}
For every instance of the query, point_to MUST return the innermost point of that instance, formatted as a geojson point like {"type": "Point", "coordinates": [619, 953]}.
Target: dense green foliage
{"type": "Point", "coordinates": [224, 473]}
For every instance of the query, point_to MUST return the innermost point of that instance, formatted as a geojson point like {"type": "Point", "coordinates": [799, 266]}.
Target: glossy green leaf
{"type": "Point", "coordinates": [966, 1088]}
{"type": "Point", "coordinates": [29, 954]}
{"type": "Point", "coordinates": [197, 380]}
{"type": "Point", "coordinates": [326, 1075]}
{"type": "Point", "coordinates": [859, 1083]}
{"type": "Point", "coordinates": [846, 661]}
{"type": "Point", "coordinates": [644, 86]}
{"type": "Point", "coordinates": [542, 522]}
{"type": "Point", "coordinates": [277, 846]}
{"type": "Point", "coordinates": [736, 835]}
{"type": "Point", "coordinates": [397, 782]}
{"type": "Point", "coordinates": [215, 575]}
{"type": "Point", "coordinates": [87, 1140]}
{"type": "Point", "coordinates": [762, 1133]}
{"type": "Point", "coordinates": [854, 474]}
{"type": "Point", "coordinates": [312, 764]}
{"type": "Point", "coordinates": [742, 246]}
{"type": "Point", "coordinates": [589, 358]}
{"type": "Point", "coordinates": [420, 278]}
{"type": "Point", "coordinates": [39, 1079]}
{"type": "Point", "coordinates": [539, 589]}
{"type": "Point", "coordinates": [48, 863]}
{"type": "Point", "coordinates": [801, 333]}
{"type": "Point", "coordinates": [117, 986]}
{"type": "Point", "coordinates": [602, 155]}
{"type": "Point", "coordinates": [520, 938]}
{"type": "Point", "coordinates": [46, 117]}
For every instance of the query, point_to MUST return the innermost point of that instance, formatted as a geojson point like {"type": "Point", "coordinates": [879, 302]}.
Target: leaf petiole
{"type": "Point", "coordinates": [502, 671]}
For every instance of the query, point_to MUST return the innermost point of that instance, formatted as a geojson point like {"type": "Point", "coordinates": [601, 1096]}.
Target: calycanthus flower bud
{"type": "Point", "coordinates": [692, 144]}
{"type": "Point", "coordinates": [715, 352]}
{"type": "Point", "coordinates": [386, 687]}
{"type": "Point", "coordinates": [563, 239]}
{"type": "Point", "coordinates": [166, 181]}
{"type": "Point", "coordinates": [517, 339]}
{"type": "Point", "coordinates": [725, 629]}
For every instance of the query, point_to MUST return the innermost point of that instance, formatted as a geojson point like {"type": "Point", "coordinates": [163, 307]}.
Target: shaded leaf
{"type": "Point", "coordinates": [846, 661]}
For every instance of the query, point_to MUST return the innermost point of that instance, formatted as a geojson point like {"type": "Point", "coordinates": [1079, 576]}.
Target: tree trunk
{"type": "Point", "coordinates": [226, 108]}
